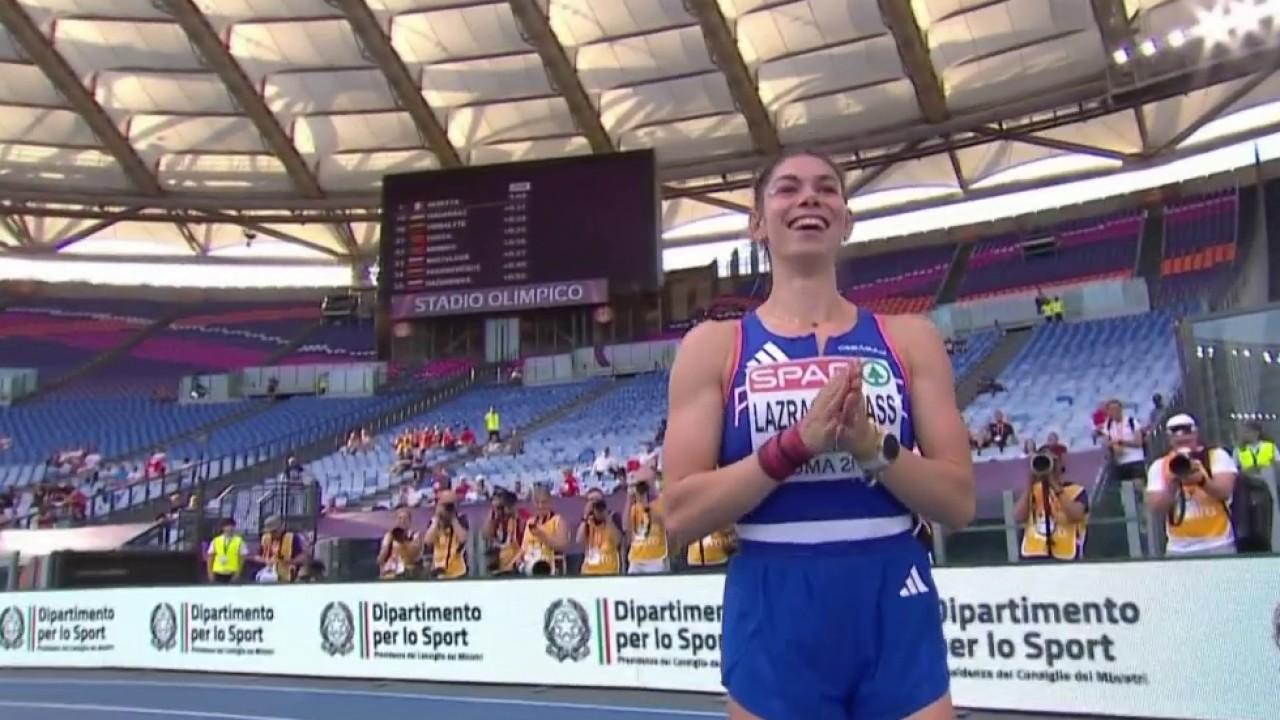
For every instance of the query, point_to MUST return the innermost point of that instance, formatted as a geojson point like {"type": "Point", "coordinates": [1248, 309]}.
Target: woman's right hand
{"type": "Point", "coordinates": [821, 426]}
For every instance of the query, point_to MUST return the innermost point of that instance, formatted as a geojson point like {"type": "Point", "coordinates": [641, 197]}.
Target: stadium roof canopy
{"type": "Point", "coordinates": [181, 127]}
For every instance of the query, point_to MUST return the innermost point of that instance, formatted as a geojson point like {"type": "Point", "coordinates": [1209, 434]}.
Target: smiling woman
{"type": "Point", "coordinates": [829, 607]}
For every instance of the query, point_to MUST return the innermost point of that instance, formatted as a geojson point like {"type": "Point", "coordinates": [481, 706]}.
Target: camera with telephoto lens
{"type": "Point", "coordinates": [642, 488]}
{"type": "Point", "coordinates": [1041, 464]}
{"type": "Point", "coordinates": [598, 510]}
{"type": "Point", "coordinates": [1182, 466]}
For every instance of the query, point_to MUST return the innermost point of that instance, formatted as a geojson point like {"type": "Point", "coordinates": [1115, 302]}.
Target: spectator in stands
{"type": "Point", "coordinates": [493, 424]}
{"type": "Point", "coordinates": [1255, 452]}
{"type": "Point", "coordinates": [661, 433]}
{"type": "Point", "coordinates": [1124, 443]}
{"type": "Point", "coordinates": [467, 438]}
{"type": "Point", "coordinates": [519, 491]}
{"type": "Point", "coordinates": [998, 432]}
{"type": "Point", "coordinates": [480, 492]}
{"type": "Point", "coordinates": [1191, 486]}
{"type": "Point", "coordinates": [1099, 420]}
{"type": "Point", "coordinates": [353, 442]}
{"type": "Point", "coordinates": [1054, 512]}
{"type": "Point", "coordinates": [156, 464]}
{"type": "Point", "coordinates": [1157, 412]}
{"type": "Point", "coordinates": [646, 528]}
{"type": "Point", "coordinates": [293, 468]}
{"type": "Point", "coordinates": [400, 553]}
{"type": "Point", "coordinates": [569, 485]}
{"type": "Point", "coordinates": [227, 553]}
{"type": "Point", "coordinates": [599, 536]}
{"type": "Point", "coordinates": [1052, 445]}
{"type": "Point", "coordinates": [545, 537]}
{"type": "Point", "coordinates": [502, 535]}
{"type": "Point", "coordinates": [607, 469]}
{"type": "Point", "coordinates": [515, 443]}
{"type": "Point", "coordinates": [949, 345]}
{"type": "Point", "coordinates": [447, 538]}
{"type": "Point", "coordinates": [281, 552]}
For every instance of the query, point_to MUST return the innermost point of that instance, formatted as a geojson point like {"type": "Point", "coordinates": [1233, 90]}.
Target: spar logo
{"type": "Point", "coordinates": [876, 373]}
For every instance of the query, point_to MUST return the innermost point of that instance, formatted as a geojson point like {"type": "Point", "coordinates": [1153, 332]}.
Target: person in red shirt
{"type": "Point", "coordinates": [1099, 419]}
{"type": "Point", "coordinates": [467, 437]}
{"type": "Point", "coordinates": [446, 439]}
{"type": "Point", "coordinates": [570, 487]}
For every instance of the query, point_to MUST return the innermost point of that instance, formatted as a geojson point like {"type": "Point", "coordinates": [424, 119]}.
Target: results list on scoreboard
{"type": "Point", "coordinates": [455, 243]}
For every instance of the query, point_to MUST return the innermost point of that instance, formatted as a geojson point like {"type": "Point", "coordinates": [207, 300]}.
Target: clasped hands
{"type": "Point", "coordinates": [837, 418]}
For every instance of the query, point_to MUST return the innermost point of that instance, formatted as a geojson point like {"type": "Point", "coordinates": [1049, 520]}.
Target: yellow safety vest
{"type": "Point", "coordinates": [1204, 518]}
{"type": "Point", "coordinates": [600, 556]}
{"type": "Point", "coordinates": [710, 550]}
{"type": "Point", "coordinates": [1067, 539]}
{"type": "Point", "coordinates": [226, 555]}
{"type": "Point", "coordinates": [1261, 455]}
{"type": "Point", "coordinates": [648, 538]}
{"type": "Point", "coordinates": [491, 421]}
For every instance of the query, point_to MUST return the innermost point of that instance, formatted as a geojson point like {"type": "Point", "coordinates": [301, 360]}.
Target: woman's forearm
{"type": "Point", "coordinates": [936, 489]}
{"type": "Point", "coordinates": [713, 500]}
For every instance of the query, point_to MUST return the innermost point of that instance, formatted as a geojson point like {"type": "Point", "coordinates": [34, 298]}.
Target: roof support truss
{"type": "Point", "coordinates": [42, 53]}
{"type": "Point", "coordinates": [203, 38]}
{"type": "Point", "coordinates": [88, 232]}
{"type": "Point", "coordinates": [1055, 144]}
{"type": "Point", "coordinates": [914, 53]}
{"type": "Point", "coordinates": [189, 237]}
{"type": "Point", "coordinates": [408, 90]}
{"type": "Point", "coordinates": [1214, 112]}
{"type": "Point", "coordinates": [17, 227]}
{"type": "Point", "coordinates": [536, 28]}
{"type": "Point", "coordinates": [724, 53]}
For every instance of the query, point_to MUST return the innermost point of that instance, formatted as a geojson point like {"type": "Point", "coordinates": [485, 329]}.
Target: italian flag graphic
{"type": "Point", "coordinates": [604, 650]}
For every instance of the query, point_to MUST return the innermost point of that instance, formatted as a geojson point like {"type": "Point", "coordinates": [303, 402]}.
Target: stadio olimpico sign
{"type": "Point", "coordinates": [488, 300]}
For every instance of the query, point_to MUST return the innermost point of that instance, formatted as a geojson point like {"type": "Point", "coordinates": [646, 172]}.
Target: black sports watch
{"type": "Point", "coordinates": [890, 448]}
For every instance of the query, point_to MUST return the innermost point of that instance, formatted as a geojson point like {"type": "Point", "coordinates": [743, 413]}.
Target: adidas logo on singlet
{"type": "Point", "coordinates": [914, 585]}
{"type": "Point", "coordinates": [767, 355]}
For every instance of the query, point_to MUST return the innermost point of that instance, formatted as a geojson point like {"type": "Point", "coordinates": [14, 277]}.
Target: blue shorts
{"type": "Point", "coordinates": [833, 633]}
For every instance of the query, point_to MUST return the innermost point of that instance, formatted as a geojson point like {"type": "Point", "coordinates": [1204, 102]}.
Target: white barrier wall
{"type": "Point", "coordinates": [1191, 639]}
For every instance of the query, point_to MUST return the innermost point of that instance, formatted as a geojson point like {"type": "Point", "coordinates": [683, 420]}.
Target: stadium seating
{"type": "Point", "coordinates": [905, 281]}
{"type": "Point", "coordinates": [334, 343]}
{"type": "Point", "coordinates": [1087, 250]}
{"type": "Point", "coordinates": [1065, 370]}
{"type": "Point", "coordinates": [58, 336]}
{"type": "Point", "coordinates": [1199, 249]}
{"type": "Point", "coordinates": [112, 425]}
{"type": "Point", "coordinates": [366, 473]}
{"type": "Point", "coordinates": [977, 345]}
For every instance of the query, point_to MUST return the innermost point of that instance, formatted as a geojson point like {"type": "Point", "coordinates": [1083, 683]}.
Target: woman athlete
{"type": "Point", "coordinates": [790, 423]}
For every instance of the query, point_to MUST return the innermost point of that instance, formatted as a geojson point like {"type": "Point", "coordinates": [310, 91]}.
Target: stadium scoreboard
{"type": "Point", "coordinates": [499, 238]}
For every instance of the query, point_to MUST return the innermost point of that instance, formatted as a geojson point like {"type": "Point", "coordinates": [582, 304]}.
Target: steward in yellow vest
{"type": "Point", "coordinates": [1255, 453]}
{"type": "Point", "coordinates": [226, 554]}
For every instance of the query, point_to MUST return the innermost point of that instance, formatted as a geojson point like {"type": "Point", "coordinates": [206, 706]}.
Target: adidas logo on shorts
{"type": "Point", "coordinates": [914, 585]}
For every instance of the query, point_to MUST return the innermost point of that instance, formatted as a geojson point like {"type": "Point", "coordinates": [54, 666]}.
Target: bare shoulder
{"type": "Point", "coordinates": [704, 350]}
{"type": "Point", "coordinates": [914, 335]}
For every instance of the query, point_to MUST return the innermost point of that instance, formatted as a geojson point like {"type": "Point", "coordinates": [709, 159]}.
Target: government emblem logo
{"type": "Point", "coordinates": [13, 627]}
{"type": "Point", "coordinates": [567, 630]}
{"type": "Point", "coordinates": [337, 629]}
{"type": "Point", "coordinates": [164, 627]}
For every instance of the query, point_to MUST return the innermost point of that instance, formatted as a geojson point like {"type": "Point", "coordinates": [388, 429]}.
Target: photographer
{"type": "Point", "coordinates": [1192, 486]}
{"type": "Point", "coordinates": [502, 534]}
{"type": "Point", "coordinates": [447, 537]}
{"type": "Point", "coordinates": [400, 555]}
{"type": "Point", "coordinates": [645, 526]}
{"type": "Point", "coordinates": [545, 537]}
{"type": "Point", "coordinates": [1054, 512]}
{"type": "Point", "coordinates": [600, 537]}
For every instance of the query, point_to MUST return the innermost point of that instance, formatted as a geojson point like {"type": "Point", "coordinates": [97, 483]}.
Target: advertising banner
{"type": "Point", "coordinates": [1190, 639]}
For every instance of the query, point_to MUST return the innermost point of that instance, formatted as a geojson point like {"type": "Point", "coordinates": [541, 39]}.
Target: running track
{"type": "Point", "coordinates": [117, 695]}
